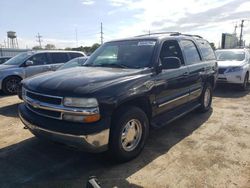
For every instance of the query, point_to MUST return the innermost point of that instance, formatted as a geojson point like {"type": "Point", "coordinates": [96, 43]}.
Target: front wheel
{"type": "Point", "coordinates": [129, 132]}
{"type": "Point", "coordinates": [206, 98]}
{"type": "Point", "coordinates": [245, 83]}
{"type": "Point", "coordinates": [11, 84]}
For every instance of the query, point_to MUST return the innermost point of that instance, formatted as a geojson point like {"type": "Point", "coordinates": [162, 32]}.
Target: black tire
{"type": "Point", "coordinates": [244, 86]}
{"type": "Point", "coordinates": [122, 117]}
{"type": "Point", "coordinates": [11, 84]}
{"type": "Point", "coordinates": [206, 106]}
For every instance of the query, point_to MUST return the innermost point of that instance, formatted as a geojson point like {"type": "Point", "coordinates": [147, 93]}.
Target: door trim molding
{"type": "Point", "coordinates": [173, 100]}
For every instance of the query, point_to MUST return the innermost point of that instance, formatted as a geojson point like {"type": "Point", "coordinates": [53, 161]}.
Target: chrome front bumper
{"type": "Point", "coordinates": [94, 143]}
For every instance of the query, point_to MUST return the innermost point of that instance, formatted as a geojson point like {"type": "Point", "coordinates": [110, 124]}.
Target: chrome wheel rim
{"type": "Point", "coordinates": [12, 85]}
{"type": "Point", "coordinates": [207, 97]}
{"type": "Point", "coordinates": [131, 135]}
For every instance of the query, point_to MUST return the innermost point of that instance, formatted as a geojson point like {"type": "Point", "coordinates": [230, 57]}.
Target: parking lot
{"type": "Point", "coordinates": [199, 150]}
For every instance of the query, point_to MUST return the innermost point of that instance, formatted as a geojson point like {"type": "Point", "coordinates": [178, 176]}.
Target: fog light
{"type": "Point", "coordinates": [82, 119]}
{"type": "Point", "coordinates": [239, 77]}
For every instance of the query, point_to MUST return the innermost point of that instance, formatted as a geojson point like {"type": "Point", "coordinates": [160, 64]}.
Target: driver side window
{"type": "Point", "coordinates": [39, 59]}
{"type": "Point", "coordinates": [171, 48]}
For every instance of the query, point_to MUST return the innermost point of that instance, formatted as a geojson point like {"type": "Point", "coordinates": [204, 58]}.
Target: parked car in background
{"type": "Point", "coordinates": [76, 62]}
{"type": "Point", "coordinates": [29, 64]}
{"type": "Point", "coordinates": [234, 67]}
{"type": "Point", "coordinates": [4, 59]}
{"type": "Point", "coordinates": [123, 89]}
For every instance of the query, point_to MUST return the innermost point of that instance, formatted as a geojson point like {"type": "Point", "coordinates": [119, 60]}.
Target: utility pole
{"type": "Point", "coordinates": [101, 34]}
{"type": "Point", "coordinates": [235, 29]}
{"type": "Point", "coordinates": [241, 32]}
{"type": "Point", "coordinates": [39, 40]}
{"type": "Point", "coordinates": [76, 37]}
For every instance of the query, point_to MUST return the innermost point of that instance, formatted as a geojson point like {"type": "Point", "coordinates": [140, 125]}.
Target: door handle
{"type": "Point", "coordinates": [185, 74]}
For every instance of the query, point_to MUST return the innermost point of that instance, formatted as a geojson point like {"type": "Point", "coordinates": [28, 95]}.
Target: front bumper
{"type": "Point", "coordinates": [232, 78]}
{"type": "Point", "coordinates": [88, 137]}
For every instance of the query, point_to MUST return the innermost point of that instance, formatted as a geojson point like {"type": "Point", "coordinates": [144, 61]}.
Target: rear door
{"type": "Point", "coordinates": [172, 88]}
{"type": "Point", "coordinates": [195, 66]}
{"type": "Point", "coordinates": [57, 59]}
{"type": "Point", "coordinates": [40, 63]}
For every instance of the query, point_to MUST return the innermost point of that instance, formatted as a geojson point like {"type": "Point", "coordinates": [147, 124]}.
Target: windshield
{"type": "Point", "coordinates": [18, 59]}
{"type": "Point", "coordinates": [123, 54]}
{"type": "Point", "coordinates": [230, 55]}
{"type": "Point", "coordinates": [76, 62]}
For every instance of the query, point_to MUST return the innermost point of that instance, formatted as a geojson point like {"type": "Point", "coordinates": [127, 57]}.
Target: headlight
{"type": "Point", "coordinates": [234, 69]}
{"type": "Point", "coordinates": [80, 102]}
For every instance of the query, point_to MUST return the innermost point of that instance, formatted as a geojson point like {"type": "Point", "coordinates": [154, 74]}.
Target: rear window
{"type": "Point", "coordinates": [59, 57]}
{"type": "Point", "coordinates": [75, 55]}
{"type": "Point", "coordinates": [206, 50]}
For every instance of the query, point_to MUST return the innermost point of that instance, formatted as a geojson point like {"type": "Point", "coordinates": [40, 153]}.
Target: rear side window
{"type": "Point", "coordinates": [39, 59]}
{"type": "Point", "coordinates": [75, 55]}
{"type": "Point", "coordinates": [59, 58]}
{"type": "Point", "coordinates": [190, 51]}
{"type": "Point", "coordinates": [206, 50]}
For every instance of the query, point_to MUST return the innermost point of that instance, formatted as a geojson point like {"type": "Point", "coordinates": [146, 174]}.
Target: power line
{"type": "Point", "coordinates": [39, 40]}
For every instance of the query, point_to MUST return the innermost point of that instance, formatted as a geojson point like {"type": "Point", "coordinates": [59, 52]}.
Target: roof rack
{"type": "Point", "coordinates": [170, 33]}
{"type": "Point", "coordinates": [157, 33]}
{"type": "Point", "coordinates": [188, 35]}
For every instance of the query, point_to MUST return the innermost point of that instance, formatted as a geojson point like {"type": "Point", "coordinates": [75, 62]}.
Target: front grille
{"type": "Point", "coordinates": [33, 100]}
{"type": "Point", "coordinates": [44, 98]}
{"type": "Point", "coordinates": [222, 70]}
{"type": "Point", "coordinates": [48, 113]}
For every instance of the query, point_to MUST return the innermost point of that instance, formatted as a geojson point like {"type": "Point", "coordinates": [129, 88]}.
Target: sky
{"type": "Point", "coordinates": [71, 23]}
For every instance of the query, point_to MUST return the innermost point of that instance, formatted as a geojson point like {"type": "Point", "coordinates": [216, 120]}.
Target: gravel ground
{"type": "Point", "coordinates": [199, 150]}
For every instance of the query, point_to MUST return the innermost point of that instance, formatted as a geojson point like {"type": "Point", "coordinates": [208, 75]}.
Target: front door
{"type": "Point", "coordinates": [172, 86]}
{"type": "Point", "coordinates": [40, 65]}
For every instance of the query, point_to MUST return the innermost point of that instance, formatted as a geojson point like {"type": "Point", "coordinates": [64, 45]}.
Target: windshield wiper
{"type": "Point", "coordinates": [112, 65]}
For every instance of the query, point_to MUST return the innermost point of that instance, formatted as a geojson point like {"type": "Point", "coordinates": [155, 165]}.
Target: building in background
{"type": "Point", "coordinates": [229, 41]}
{"type": "Point", "coordinates": [11, 52]}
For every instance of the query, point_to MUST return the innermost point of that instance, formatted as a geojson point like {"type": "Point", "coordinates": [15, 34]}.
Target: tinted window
{"type": "Point", "coordinates": [206, 49]}
{"type": "Point", "coordinates": [59, 57]}
{"type": "Point", "coordinates": [191, 52]}
{"type": "Point", "coordinates": [171, 49]}
{"type": "Point", "coordinates": [39, 59]}
{"type": "Point", "coordinates": [74, 55]}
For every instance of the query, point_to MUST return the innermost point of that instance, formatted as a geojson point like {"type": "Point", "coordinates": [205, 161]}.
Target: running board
{"type": "Point", "coordinates": [167, 117]}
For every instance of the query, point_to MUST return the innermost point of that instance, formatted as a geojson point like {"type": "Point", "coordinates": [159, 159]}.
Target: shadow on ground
{"type": "Point", "coordinates": [230, 91]}
{"type": "Point", "coordinates": [9, 111]}
{"type": "Point", "coordinates": [36, 163]}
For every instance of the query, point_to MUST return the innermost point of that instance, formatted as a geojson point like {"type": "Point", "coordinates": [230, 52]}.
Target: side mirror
{"type": "Point", "coordinates": [171, 63]}
{"type": "Point", "coordinates": [29, 63]}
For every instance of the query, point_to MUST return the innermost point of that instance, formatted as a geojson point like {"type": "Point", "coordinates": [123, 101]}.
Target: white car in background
{"type": "Point", "coordinates": [234, 66]}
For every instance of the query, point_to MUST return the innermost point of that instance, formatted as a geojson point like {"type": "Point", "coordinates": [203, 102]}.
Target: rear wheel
{"type": "Point", "coordinates": [206, 98]}
{"type": "Point", "coordinates": [128, 133]}
{"type": "Point", "coordinates": [11, 84]}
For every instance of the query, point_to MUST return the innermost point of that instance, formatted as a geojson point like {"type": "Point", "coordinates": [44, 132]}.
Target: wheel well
{"type": "Point", "coordinates": [211, 81]}
{"type": "Point", "coordinates": [11, 77]}
{"type": "Point", "coordinates": [140, 102]}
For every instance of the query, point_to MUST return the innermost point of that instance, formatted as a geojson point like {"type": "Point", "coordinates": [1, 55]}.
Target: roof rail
{"type": "Point", "coordinates": [157, 33]}
{"type": "Point", "coordinates": [188, 35]}
{"type": "Point", "coordinates": [171, 34]}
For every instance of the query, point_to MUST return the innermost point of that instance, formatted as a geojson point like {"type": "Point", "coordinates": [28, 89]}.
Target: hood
{"type": "Point", "coordinates": [3, 67]}
{"type": "Point", "coordinates": [79, 81]}
{"type": "Point", "coordinates": [230, 63]}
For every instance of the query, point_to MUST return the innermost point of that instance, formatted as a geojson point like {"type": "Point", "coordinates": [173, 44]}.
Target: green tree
{"type": "Point", "coordinates": [50, 47]}
{"type": "Point", "coordinates": [36, 48]}
{"type": "Point", "coordinates": [213, 45]}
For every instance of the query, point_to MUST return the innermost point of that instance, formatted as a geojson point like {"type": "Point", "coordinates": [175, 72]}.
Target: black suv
{"type": "Point", "coordinates": [124, 88]}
